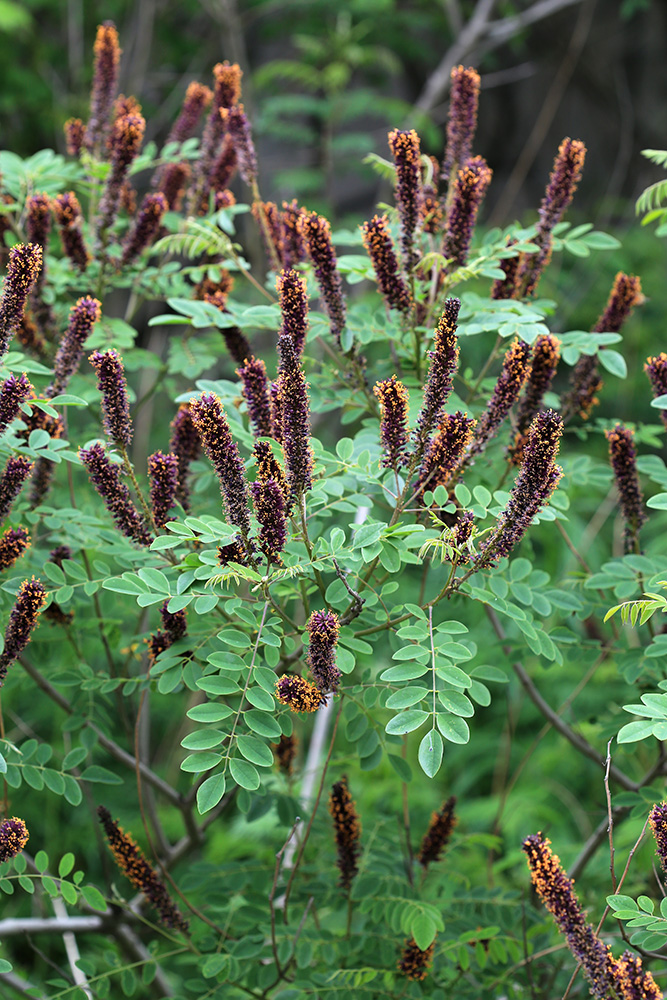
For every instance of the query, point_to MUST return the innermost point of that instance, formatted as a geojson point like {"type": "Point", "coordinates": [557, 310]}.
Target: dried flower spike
{"type": "Point", "coordinates": [347, 831]}
{"type": "Point", "coordinates": [25, 263]}
{"type": "Point", "coordinates": [437, 836]}
{"type": "Point", "coordinates": [211, 424]}
{"type": "Point", "coordinates": [439, 381]}
{"type": "Point", "coordinates": [255, 391]}
{"type": "Point", "coordinates": [184, 444]}
{"type": "Point", "coordinates": [237, 124]}
{"type": "Point", "coordinates": [13, 544]}
{"type": "Point", "coordinates": [380, 248]}
{"type": "Point", "coordinates": [163, 478]}
{"type": "Point", "coordinates": [623, 457]}
{"type": "Point", "coordinates": [556, 891]}
{"type": "Point", "coordinates": [105, 477]}
{"type": "Point", "coordinates": [82, 318]}
{"type": "Point", "coordinates": [16, 471]}
{"type": "Point", "coordinates": [294, 420]}
{"type": "Point", "coordinates": [468, 191]}
{"type": "Point", "coordinates": [316, 233]}
{"type": "Point", "coordinates": [172, 184]}
{"type": "Point", "coordinates": [112, 385]}
{"type": "Point", "coordinates": [393, 397]}
{"type": "Point", "coordinates": [298, 693]}
{"type": "Point", "coordinates": [30, 600]}
{"type": "Point", "coordinates": [134, 865]}
{"type": "Point", "coordinates": [105, 78]}
{"type": "Point", "coordinates": [13, 392]}
{"type": "Point", "coordinates": [146, 226]}
{"type": "Point", "coordinates": [462, 118]}
{"type": "Point", "coordinates": [514, 372]}
{"type": "Point", "coordinates": [68, 216]}
{"type": "Point", "coordinates": [323, 629]}
{"type": "Point", "coordinates": [656, 369]}
{"type": "Point", "coordinates": [415, 963]}
{"type": "Point", "coordinates": [405, 148]}
{"type": "Point", "coordinates": [293, 301]}
{"type": "Point", "coordinates": [13, 838]}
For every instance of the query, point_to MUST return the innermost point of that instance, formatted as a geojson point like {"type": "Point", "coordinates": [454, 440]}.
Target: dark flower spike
{"type": "Point", "coordinates": [224, 167]}
{"type": "Point", "coordinates": [626, 293]}
{"type": "Point", "coordinates": [126, 138]}
{"type": "Point", "coordinates": [537, 480]}
{"type": "Point", "coordinates": [30, 338]}
{"type": "Point", "coordinates": [82, 318]}
{"type": "Point", "coordinates": [105, 477]}
{"type": "Point", "coordinates": [163, 478]}
{"type": "Point", "coordinates": [236, 343]}
{"type": "Point", "coordinates": [556, 891]}
{"type": "Point", "coordinates": [445, 450]}
{"type": "Point", "coordinates": [316, 233]}
{"type": "Point", "coordinates": [405, 148]}
{"type": "Point", "coordinates": [269, 503]}
{"type": "Point", "coordinates": [25, 263]}
{"type": "Point", "coordinates": [276, 411]}
{"type": "Point", "coordinates": [623, 457]}
{"type": "Point", "coordinates": [347, 831]}
{"type": "Point", "coordinates": [565, 176]}
{"type": "Point", "coordinates": [380, 248]}
{"type": "Point", "coordinates": [438, 834]}
{"type": "Point", "coordinates": [146, 226]}
{"type": "Point", "coordinates": [184, 444]}
{"type": "Point", "coordinates": [175, 627]}
{"type": "Point", "coordinates": [462, 119]}
{"type": "Point", "coordinates": [217, 292]}
{"type": "Point", "coordinates": [658, 823]}
{"type": "Point", "coordinates": [226, 83]}
{"type": "Point", "coordinates": [439, 381]}
{"type": "Point", "coordinates": [38, 222]}
{"type": "Point", "coordinates": [656, 369]}
{"type": "Point", "coordinates": [393, 397]}
{"type": "Point", "coordinates": [415, 963]}
{"type": "Point", "coordinates": [284, 753]}
{"type": "Point", "coordinates": [269, 220]}
{"type": "Point", "coordinates": [632, 982]}
{"type": "Point", "coordinates": [323, 629]}
{"type": "Point", "coordinates": [293, 300]}
{"type": "Point", "coordinates": [255, 391]}
{"type": "Point", "coordinates": [75, 136]}
{"type": "Point", "coordinates": [460, 535]}
{"type": "Point", "coordinates": [59, 554]}
{"type": "Point", "coordinates": [224, 199]}
{"type": "Point", "coordinates": [13, 544]}
{"type": "Point", "coordinates": [197, 99]}
{"type": "Point", "coordinates": [105, 79]}
{"type": "Point", "coordinates": [298, 693]}
{"type": "Point", "coordinates": [115, 403]}
{"type": "Point", "coordinates": [13, 838]}
{"type": "Point", "coordinates": [13, 392]}
{"type": "Point", "coordinates": [295, 420]}
{"type": "Point", "coordinates": [211, 424]}
{"type": "Point", "coordinates": [505, 288]}
{"type": "Point", "coordinates": [134, 865]}
{"type": "Point", "coordinates": [544, 361]}
{"type": "Point", "coordinates": [268, 467]}
{"type": "Point", "coordinates": [172, 184]}
{"type": "Point", "coordinates": [30, 600]}
{"type": "Point", "coordinates": [235, 552]}
{"type": "Point", "coordinates": [236, 122]}
{"type": "Point", "coordinates": [68, 216]}
{"type": "Point", "coordinates": [16, 471]}
{"type": "Point", "coordinates": [293, 247]}
{"type": "Point", "coordinates": [468, 191]}
{"type": "Point", "coordinates": [514, 372]}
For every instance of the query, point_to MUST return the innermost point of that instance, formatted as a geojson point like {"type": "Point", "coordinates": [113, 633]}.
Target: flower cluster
{"type": "Point", "coordinates": [236, 122]}
{"type": "Point", "coordinates": [75, 136]}
{"type": "Point", "coordinates": [268, 467]}
{"type": "Point", "coordinates": [461, 120]}
{"type": "Point", "coordinates": [25, 263]}
{"type": "Point", "coordinates": [347, 831]}
{"type": "Point", "coordinates": [175, 627]}
{"type": "Point", "coordinates": [514, 372]}
{"type": "Point", "coordinates": [294, 407]}
{"type": "Point", "coordinates": [255, 391]}
{"type": "Point", "coordinates": [115, 403]}
{"type": "Point", "coordinates": [623, 457]}
{"type": "Point", "coordinates": [105, 477]}
{"type": "Point", "coordinates": [415, 963]}
{"type": "Point", "coordinates": [134, 865]}
{"type": "Point", "coordinates": [105, 77]}
{"type": "Point", "coordinates": [656, 369]}
{"type": "Point", "coordinates": [284, 752]}
{"type": "Point", "coordinates": [16, 471]}
{"type": "Point", "coordinates": [298, 693]}
{"type": "Point", "coordinates": [439, 381]}
{"type": "Point", "coordinates": [197, 99]}
{"type": "Point", "coordinates": [405, 148]}
{"type": "Point", "coordinates": [323, 629]}
{"type": "Point", "coordinates": [13, 544]}
{"type": "Point", "coordinates": [445, 450]}
{"type": "Point", "coordinates": [13, 838]}
{"type": "Point", "coordinates": [438, 834]}
{"type": "Point", "coordinates": [67, 211]}
{"type": "Point", "coordinates": [316, 234]}
{"type": "Point", "coordinates": [393, 397]}
{"type": "Point", "coordinates": [293, 301]}
{"type": "Point", "coordinates": [126, 137]}
{"type": "Point", "coordinates": [184, 444]}
{"type": "Point", "coordinates": [380, 248]}
{"type": "Point", "coordinates": [163, 478]}
{"type": "Point", "coordinates": [82, 318]}
{"type": "Point", "coordinates": [544, 361]}
{"type": "Point", "coordinates": [269, 503]}
{"type": "Point", "coordinates": [13, 392]}
{"type": "Point", "coordinates": [632, 982]}
{"type": "Point", "coordinates": [30, 600]}
{"type": "Point", "coordinates": [468, 191]}
{"type": "Point", "coordinates": [173, 182]}
{"type": "Point", "coordinates": [145, 227]}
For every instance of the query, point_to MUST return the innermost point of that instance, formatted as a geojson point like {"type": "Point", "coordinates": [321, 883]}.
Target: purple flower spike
{"type": "Point", "coordinates": [255, 390]}
{"type": "Point", "coordinates": [184, 444]}
{"type": "Point", "coordinates": [316, 233]}
{"type": "Point", "coordinates": [197, 99]}
{"type": "Point", "coordinates": [380, 248]}
{"type": "Point", "coordinates": [25, 263]}
{"type": "Point", "coordinates": [462, 119]}
{"type": "Point", "coordinates": [269, 503]}
{"type": "Point", "coordinates": [105, 477]}
{"type": "Point", "coordinates": [30, 600]}
{"type": "Point", "coordinates": [13, 838]}
{"type": "Point", "coordinates": [163, 476]}
{"type": "Point", "coordinates": [405, 148]}
{"type": "Point", "coordinates": [545, 357]}
{"type": "Point", "coordinates": [470, 186]}
{"type": "Point", "coordinates": [146, 226]}
{"type": "Point", "coordinates": [444, 361]}
{"type": "Point", "coordinates": [68, 216]}
{"type": "Point", "coordinates": [13, 544]}
{"type": "Point", "coordinates": [298, 693]}
{"type": "Point", "coordinates": [13, 392]}
{"type": "Point", "coordinates": [515, 371]}
{"type": "Point", "coordinates": [105, 79]}
{"type": "Point", "coordinates": [293, 300]}
{"type": "Point", "coordinates": [82, 318]}
{"type": "Point", "coordinates": [656, 369]}
{"type": "Point", "coordinates": [236, 122]}
{"type": "Point", "coordinates": [623, 457]}
{"type": "Point", "coordinates": [445, 451]}
{"type": "Point", "coordinates": [115, 404]}
{"type": "Point", "coordinates": [126, 138]}
{"type": "Point", "coordinates": [16, 471]}
{"type": "Point", "coordinates": [393, 398]}
{"type": "Point", "coordinates": [75, 136]}
{"type": "Point", "coordinates": [211, 424]}
{"type": "Point", "coordinates": [323, 629]}
{"type": "Point", "coordinates": [294, 420]}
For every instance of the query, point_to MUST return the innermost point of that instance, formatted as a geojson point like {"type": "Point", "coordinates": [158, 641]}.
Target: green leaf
{"type": "Point", "coordinates": [404, 672]}
{"type": "Point", "coordinates": [431, 750]}
{"type": "Point", "coordinates": [255, 751]}
{"type": "Point", "coordinates": [406, 697]}
{"type": "Point", "coordinates": [402, 768]}
{"type": "Point", "coordinates": [210, 712]}
{"type": "Point", "coordinates": [203, 739]}
{"type": "Point", "coordinates": [635, 731]}
{"type": "Point", "coordinates": [613, 362]}
{"type": "Point", "coordinates": [197, 763]}
{"type": "Point", "coordinates": [263, 724]}
{"type": "Point", "coordinates": [423, 930]}
{"type": "Point", "coordinates": [453, 728]}
{"type": "Point", "coordinates": [93, 898]}
{"type": "Point", "coordinates": [66, 864]}
{"type": "Point", "coordinates": [457, 703]}
{"type": "Point", "coordinates": [210, 792]}
{"type": "Point", "coordinates": [406, 722]}
{"type": "Point", "coordinates": [658, 502]}
{"type": "Point", "coordinates": [244, 774]}
{"type": "Point", "coordinates": [101, 775]}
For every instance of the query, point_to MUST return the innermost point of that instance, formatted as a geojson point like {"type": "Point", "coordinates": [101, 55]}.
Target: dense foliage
{"type": "Point", "coordinates": [410, 574]}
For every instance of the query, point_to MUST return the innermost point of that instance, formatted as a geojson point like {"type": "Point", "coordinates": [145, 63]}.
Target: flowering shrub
{"type": "Point", "coordinates": [344, 529]}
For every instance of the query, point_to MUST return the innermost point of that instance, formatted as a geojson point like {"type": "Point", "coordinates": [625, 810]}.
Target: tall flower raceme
{"type": "Point", "coordinates": [565, 176]}
{"type": "Point", "coordinates": [112, 385]}
{"type": "Point", "coordinates": [658, 823]}
{"type": "Point", "coordinates": [380, 248]}
{"type": "Point", "coordinates": [126, 138]}
{"type": "Point", "coordinates": [323, 629]}
{"type": "Point", "coordinates": [174, 627]}
{"type": "Point", "coordinates": [236, 122]}
{"type": "Point", "coordinates": [226, 92]}
{"type": "Point", "coordinates": [294, 420]}
{"type": "Point", "coordinates": [67, 211]}
{"type": "Point", "coordinates": [293, 301]}
{"type": "Point", "coordinates": [632, 981]}
{"type": "Point", "coordinates": [445, 450]}
{"type": "Point", "coordinates": [284, 752]}
{"type": "Point", "coordinates": [298, 694]}
{"type": "Point", "coordinates": [105, 476]}
{"type": "Point", "coordinates": [268, 467]}
{"type": "Point", "coordinates": [105, 80]}
{"type": "Point", "coordinates": [30, 600]}
{"type": "Point", "coordinates": [514, 373]}
{"type": "Point", "coordinates": [135, 866]}
{"type": "Point", "coordinates": [656, 370]}
{"type": "Point", "coordinates": [414, 962]}
{"type": "Point", "coordinates": [468, 191]}
{"type": "Point", "coordinates": [440, 378]}
{"type": "Point", "coordinates": [38, 223]}
{"type": "Point", "coordinates": [145, 227]}
{"type": "Point", "coordinates": [461, 120]}
{"type": "Point", "coordinates": [544, 361]}
{"type": "Point", "coordinates": [13, 838]}
{"type": "Point", "coordinates": [75, 136]}
{"type": "Point", "coordinates": [163, 479]}
{"type": "Point", "coordinates": [16, 471]}
{"type": "Point", "coordinates": [393, 397]}
{"type": "Point", "coordinates": [276, 411]}
{"type": "Point", "coordinates": [13, 393]}
{"type": "Point", "coordinates": [82, 318]}
{"type": "Point", "coordinates": [347, 832]}
{"type": "Point", "coordinates": [197, 99]}
{"type": "Point", "coordinates": [405, 148]}
{"type": "Point", "coordinates": [211, 424]}
{"type": "Point", "coordinates": [255, 391]}
{"type": "Point", "coordinates": [173, 182]}
{"type": "Point", "coordinates": [268, 218]}
{"type": "Point", "coordinates": [293, 249]}
{"type": "Point", "coordinates": [623, 457]}
{"type": "Point", "coordinates": [13, 543]}
{"type": "Point", "coordinates": [225, 166]}
{"type": "Point", "coordinates": [538, 478]}
{"type": "Point", "coordinates": [316, 233]}
{"type": "Point", "coordinates": [438, 834]}
{"type": "Point", "coordinates": [269, 504]}
{"type": "Point", "coordinates": [184, 444]}
{"type": "Point", "coordinates": [25, 263]}
{"type": "Point", "coordinates": [556, 891]}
